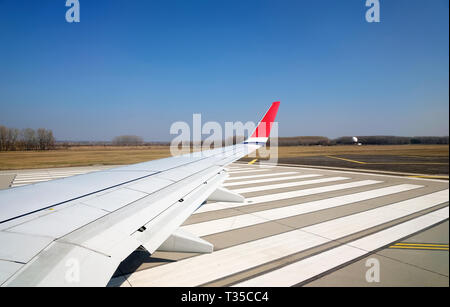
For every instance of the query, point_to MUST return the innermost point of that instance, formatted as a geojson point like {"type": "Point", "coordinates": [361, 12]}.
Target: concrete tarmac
{"type": "Point", "coordinates": [294, 215]}
{"type": "Point", "coordinates": [301, 227]}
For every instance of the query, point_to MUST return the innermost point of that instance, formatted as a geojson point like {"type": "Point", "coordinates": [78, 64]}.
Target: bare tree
{"type": "Point", "coordinates": [50, 140]}
{"type": "Point", "coordinates": [13, 136]}
{"type": "Point", "coordinates": [41, 138]}
{"type": "Point", "coordinates": [29, 139]}
{"type": "Point", "coordinates": [127, 140]}
{"type": "Point", "coordinates": [3, 137]}
{"type": "Point", "coordinates": [45, 139]}
{"type": "Point", "coordinates": [8, 138]}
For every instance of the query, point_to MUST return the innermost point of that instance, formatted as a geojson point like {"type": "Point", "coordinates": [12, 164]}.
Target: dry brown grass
{"type": "Point", "coordinates": [393, 150]}
{"type": "Point", "coordinates": [113, 155]}
{"type": "Point", "coordinates": [81, 156]}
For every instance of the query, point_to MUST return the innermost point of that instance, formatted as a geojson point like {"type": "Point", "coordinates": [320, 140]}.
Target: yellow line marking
{"type": "Point", "coordinates": [422, 244]}
{"type": "Point", "coordinates": [395, 163]}
{"type": "Point", "coordinates": [408, 163]}
{"type": "Point", "coordinates": [354, 161]}
{"type": "Point", "coordinates": [430, 177]}
{"type": "Point", "coordinates": [253, 161]}
{"type": "Point", "coordinates": [420, 247]}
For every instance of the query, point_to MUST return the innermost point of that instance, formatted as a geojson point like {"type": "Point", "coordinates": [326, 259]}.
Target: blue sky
{"type": "Point", "coordinates": [135, 66]}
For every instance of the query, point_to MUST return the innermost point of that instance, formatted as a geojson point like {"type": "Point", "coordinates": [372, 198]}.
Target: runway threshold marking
{"type": "Point", "coordinates": [244, 220]}
{"type": "Point", "coordinates": [30, 177]}
{"type": "Point", "coordinates": [253, 161]}
{"type": "Point", "coordinates": [261, 176]}
{"type": "Point", "coordinates": [247, 171]}
{"type": "Point", "coordinates": [420, 246]}
{"type": "Point", "coordinates": [285, 195]}
{"type": "Point", "coordinates": [205, 268]}
{"type": "Point", "coordinates": [277, 179]}
{"type": "Point", "coordinates": [288, 185]}
{"type": "Point", "coordinates": [229, 260]}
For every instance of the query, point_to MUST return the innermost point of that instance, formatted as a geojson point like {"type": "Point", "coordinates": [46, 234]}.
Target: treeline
{"type": "Point", "coordinates": [26, 139]}
{"type": "Point", "coordinates": [132, 140]}
{"type": "Point", "coordinates": [304, 141]}
{"type": "Point", "coordinates": [365, 140]}
{"type": "Point", "coordinates": [127, 140]}
{"type": "Point", "coordinates": [394, 140]}
{"type": "Point", "coordinates": [42, 139]}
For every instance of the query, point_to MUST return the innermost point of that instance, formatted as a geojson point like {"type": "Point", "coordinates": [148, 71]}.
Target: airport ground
{"type": "Point", "coordinates": [418, 159]}
{"type": "Point", "coordinates": [321, 220]}
{"type": "Point", "coordinates": [410, 159]}
{"type": "Point", "coordinates": [300, 226]}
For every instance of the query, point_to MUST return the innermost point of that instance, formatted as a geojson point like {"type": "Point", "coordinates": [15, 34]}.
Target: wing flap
{"type": "Point", "coordinates": [7, 268]}
{"type": "Point", "coordinates": [160, 228]}
{"type": "Point", "coordinates": [65, 265]}
{"type": "Point", "coordinates": [184, 242]}
{"type": "Point", "coordinates": [21, 248]}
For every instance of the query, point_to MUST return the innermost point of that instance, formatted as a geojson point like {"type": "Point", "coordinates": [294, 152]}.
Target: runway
{"type": "Point", "coordinates": [23, 177]}
{"type": "Point", "coordinates": [303, 227]}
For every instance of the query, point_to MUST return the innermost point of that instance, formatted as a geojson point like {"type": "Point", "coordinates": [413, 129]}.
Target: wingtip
{"type": "Point", "coordinates": [262, 131]}
{"type": "Point", "coordinates": [276, 103]}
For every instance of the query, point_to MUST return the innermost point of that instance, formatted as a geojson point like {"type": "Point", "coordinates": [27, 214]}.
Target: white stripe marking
{"type": "Point", "coordinates": [21, 180]}
{"type": "Point", "coordinates": [232, 184]}
{"type": "Point", "coordinates": [41, 178]}
{"type": "Point", "coordinates": [244, 220]}
{"type": "Point", "coordinates": [29, 181]}
{"type": "Point", "coordinates": [238, 169]}
{"type": "Point", "coordinates": [285, 195]}
{"type": "Point", "coordinates": [340, 227]}
{"type": "Point", "coordinates": [260, 176]}
{"type": "Point", "coordinates": [47, 176]}
{"type": "Point", "coordinates": [305, 269]}
{"type": "Point", "coordinates": [248, 171]}
{"type": "Point", "coordinates": [52, 174]}
{"type": "Point", "coordinates": [247, 167]}
{"type": "Point", "coordinates": [288, 185]}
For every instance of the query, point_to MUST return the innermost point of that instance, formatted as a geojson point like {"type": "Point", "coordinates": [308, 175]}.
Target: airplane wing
{"type": "Point", "coordinates": [75, 231]}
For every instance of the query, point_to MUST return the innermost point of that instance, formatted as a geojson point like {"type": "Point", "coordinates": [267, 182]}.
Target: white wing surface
{"type": "Point", "coordinates": [75, 231]}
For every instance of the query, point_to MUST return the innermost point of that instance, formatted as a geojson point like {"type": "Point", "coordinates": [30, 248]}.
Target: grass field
{"type": "Point", "coordinates": [384, 156]}
{"type": "Point", "coordinates": [81, 156]}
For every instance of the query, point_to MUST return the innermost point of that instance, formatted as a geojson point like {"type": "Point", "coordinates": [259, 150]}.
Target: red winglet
{"type": "Point", "coordinates": [264, 126]}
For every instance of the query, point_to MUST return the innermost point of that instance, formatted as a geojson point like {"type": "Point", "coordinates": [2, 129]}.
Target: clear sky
{"type": "Point", "coordinates": [135, 66]}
